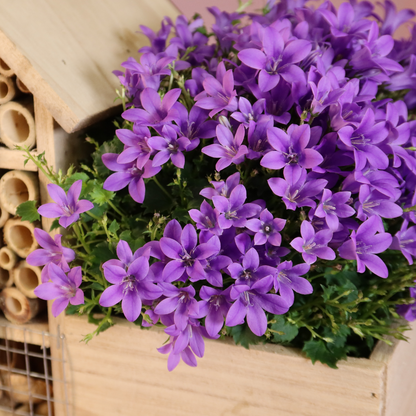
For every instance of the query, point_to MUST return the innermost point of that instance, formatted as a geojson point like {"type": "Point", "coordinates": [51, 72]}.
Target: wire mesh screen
{"type": "Point", "coordinates": [27, 382]}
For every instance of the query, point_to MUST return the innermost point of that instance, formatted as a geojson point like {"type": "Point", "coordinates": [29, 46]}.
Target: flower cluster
{"type": "Point", "coordinates": [316, 103]}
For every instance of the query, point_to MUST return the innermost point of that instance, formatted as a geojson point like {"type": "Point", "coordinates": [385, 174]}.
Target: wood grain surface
{"type": "Point", "coordinates": [121, 373]}
{"type": "Point", "coordinates": [65, 51]}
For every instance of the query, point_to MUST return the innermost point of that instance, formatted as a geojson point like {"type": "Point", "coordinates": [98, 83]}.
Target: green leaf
{"type": "Point", "coordinates": [134, 243]}
{"type": "Point", "coordinates": [326, 353]}
{"type": "Point", "coordinates": [181, 214]}
{"type": "Point", "coordinates": [100, 196]}
{"type": "Point", "coordinates": [286, 332]}
{"type": "Point", "coordinates": [95, 286]}
{"type": "Point", "coordinates": [242, 335]}
{"type": "Point", "coordinates": [75, 177]}
{"type": "Point", "coordinates": [27, 210]}
{"type": "Point", "coordinates": [55, 225]}
{"type": "Point", "coordinates": [72, 309]}
{"type": "Point", "coordinates": [114, 227]}
{"type": "Point", "coordinates": [102, 253]}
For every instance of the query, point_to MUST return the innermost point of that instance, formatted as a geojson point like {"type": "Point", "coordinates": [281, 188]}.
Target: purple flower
{"type": "Point", "coordinates": [313, 245]}
{"type": "Point", "coordinates": [206, 219]}
{"type": "Point", "coordinates": [287, 280]}
{"type": "Point", "coordinates": [214, 307]}
{"type": "Point", "coordinates": [266, 228]}
{"type": "Point", "coordinates": [248, 112]}
{"type": "Point", "coordinates": [157, 40]}
{"type": "Point", "coordinates": [394, 19]}
{"type": "Point", "coordinates": [290, 149]}
{"type": "Point", "coordinates": [277, 59]}
{"type": "Point", "coordinates": [408, 311]}
{"type": "Point", "coordinates": [63, 287]}
{"type": "Point", "coordinates": [364, 244]}
{"type": "Point", "coordinates": [230, 150]}
{"type": "Point", "coordinates": [222, 188]}
{"type": "Point", "coordinates": [66, 207]}
{"type": "Point", "coordinates": [130, 286]}
{"type": "Point", "coordinates": [252, 302]}
{"type": "Point", "coordinates": [128, 174]}
{"type": "Point", "coordinates": [324, 95]}
{"type": "Point", "coordinates": [405, 241]}
{"type": "Point", "coordinates": [136, 145]}
{"type": "Point", "coordinates": [233, 211]}
{"type": "Point", "coordinates": [218, 95]}
{"type": "Point", "coordinates": [295, 190]}
{"type": "Point", "coordinates": [169, 147]}
{"type": "Point", "coordinates": [186, 255]}
{"type": "Point", "coordinates": [180, 301]}
{"type": "Point", "coordinates": [195, 126]}
{"type": "Point", "coordinates": [52, 251]}
{"type": "Point", "coordinates": [364, 142]}
{"type": "Point", "coordinates": [372, 202]}
{"type": "Point", "coordinates": [333, 207]}
{"type": "Point", "coordinates": [249, 270]}
{"type": "Point", "coordinates": [156, 111]}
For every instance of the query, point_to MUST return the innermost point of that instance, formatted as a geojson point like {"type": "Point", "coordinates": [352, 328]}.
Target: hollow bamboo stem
{"type": "Point", "coordinates": [26, 278]}
{"type": "Point", "coordinates": [5, 69]}
{"type": "Point", "coordinates": [8, 258]}
{"type": "Point", "coordinates": [17, 308]}
{"type": "Point", "coordinates": [22, 87]}
{"type": "Point", "coordinates": [7, 89]}
{"type": "Point", "coordinates": [21, 386]}
{"type": "Point", "coordinates": [19, 236]}
{"type": "Point", "coordinates": [17, 124]}
{"type": "Point", "coordinates": [16, 187]}
{"type": "Point", "coordinates": [6, 278]}
{"type": "Point", "coordinates": [43, 410]}
{"type": "Point", "coordinates": [4, 216]}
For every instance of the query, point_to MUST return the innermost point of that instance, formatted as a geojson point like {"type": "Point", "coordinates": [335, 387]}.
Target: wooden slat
{"type": "Point", "coordinates": [121, 373]}
{"type": "Point", "coordinates": [14, 159]}
{"type": "Point", "coordinates": [31, 331]}
{"type": "Point", "coordinates": [65, 51]}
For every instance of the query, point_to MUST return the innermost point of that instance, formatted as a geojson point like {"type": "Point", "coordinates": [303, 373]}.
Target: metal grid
{"type": "Point", "coordinates": [26, 373]}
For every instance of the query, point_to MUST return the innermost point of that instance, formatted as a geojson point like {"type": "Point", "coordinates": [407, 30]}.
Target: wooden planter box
{"type": "Point", "coordinates": [121, 373]}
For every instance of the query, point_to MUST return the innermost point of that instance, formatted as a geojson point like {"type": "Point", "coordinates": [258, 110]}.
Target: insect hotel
{"type": "Point", "coordinates": [56, 63]}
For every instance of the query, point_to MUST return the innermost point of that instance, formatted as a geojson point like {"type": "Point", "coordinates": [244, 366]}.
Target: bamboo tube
{"type": "Point", "coordinates": [17, 308]}
{"type": "Point", "coordinates": [22, 87]}
{"type": "Point", "coordinates": [17, 124]}
{"type": "Point", "coordinates": [7, 89]}
{"type": "Point", "coordinates": [8, 258]}
{"type": "Point", "coordinates": [16, 187]}
{"type": "Point", "coordinates": [43, 410]}
{"type": "Point", "coordinates": [19, 383]}
{"type": "Point", "coordinates": [19, 236]}
{"type": "Point", "coordinates": [5, 69]}
{"type": "Point", "coordinates": [4, 216]}
{"type": "Point", "coordinates": [6, 278]}
{"type": "Point", "coordinates": [26, 278]}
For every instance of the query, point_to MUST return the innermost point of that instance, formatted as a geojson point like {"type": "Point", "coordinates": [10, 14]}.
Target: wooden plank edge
{"type": "Point", "coordinates": [35, 332]}
{"type": "Point", "coordinates": [14, 159]}
{"type": "Point", "coordinates": [264, 348]}
{"type": "Point", "coordinates": [37, 85]}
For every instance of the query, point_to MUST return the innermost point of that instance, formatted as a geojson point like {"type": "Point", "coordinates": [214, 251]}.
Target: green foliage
{"type": "Point", "coordinates": [28, 211]}
{"type": "Point", "coordinates": [282, 330]}
{"type": "Point", "coordinates": [242, 335]}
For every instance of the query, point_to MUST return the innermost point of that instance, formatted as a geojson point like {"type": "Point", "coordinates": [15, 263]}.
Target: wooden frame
{"type": "Point", "coordinates": [120, 372]}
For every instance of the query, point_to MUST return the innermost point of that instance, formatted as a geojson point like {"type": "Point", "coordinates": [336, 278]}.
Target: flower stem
{"type": "Point", "coordinates": [81, 238]}
{"type": "Point", "coordinates": [162, 188]}
{"type": "Point", "coordinates": [116, 209]}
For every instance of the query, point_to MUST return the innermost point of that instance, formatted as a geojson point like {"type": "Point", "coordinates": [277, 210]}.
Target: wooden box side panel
{"type": "Point", "coordinates": [401, 378]}
{"type": "Point", "coordinates": [120, 373]}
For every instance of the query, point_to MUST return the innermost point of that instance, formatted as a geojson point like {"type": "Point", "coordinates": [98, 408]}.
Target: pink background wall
{"type": "Point", "coordinates": [190, 7]}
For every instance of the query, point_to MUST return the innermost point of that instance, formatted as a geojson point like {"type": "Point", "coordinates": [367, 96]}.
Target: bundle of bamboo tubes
{"type": "Point", "coordinates": [17, 123]}
{"type": "Point", "coordinates": [23, 391]}
{"type": "Point", "coordinates": [18, 279]}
